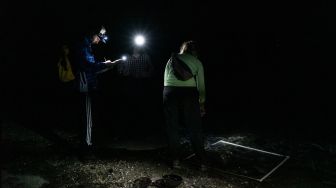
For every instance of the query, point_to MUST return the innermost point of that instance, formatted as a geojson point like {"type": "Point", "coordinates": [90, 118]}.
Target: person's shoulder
{"type": "Point", "coordinates": [185, 55]}
{"type": "Point", "coordinates": [188, 57]}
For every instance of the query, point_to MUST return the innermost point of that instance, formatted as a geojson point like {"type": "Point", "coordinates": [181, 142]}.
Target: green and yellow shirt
{"type": "Point", "coordinates": [196, 68]}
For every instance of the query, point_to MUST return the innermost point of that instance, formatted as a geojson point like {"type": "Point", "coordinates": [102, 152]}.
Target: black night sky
{"type": "Point", "coordinates": [268, 65]}
{"type": "Point", "coordinates": [265, 63]}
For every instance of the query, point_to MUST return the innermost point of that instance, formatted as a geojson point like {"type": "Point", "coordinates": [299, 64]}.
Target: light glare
{"type": "Point", "coordinates": [139, 40]}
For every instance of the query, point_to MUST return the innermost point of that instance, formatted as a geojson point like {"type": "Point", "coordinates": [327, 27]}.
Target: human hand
{"type": "Point", "coordinates": [202, 109]}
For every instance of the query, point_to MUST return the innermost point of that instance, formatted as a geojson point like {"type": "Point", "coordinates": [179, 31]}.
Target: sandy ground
{"type": "Point", "coordinates": [30, 160]}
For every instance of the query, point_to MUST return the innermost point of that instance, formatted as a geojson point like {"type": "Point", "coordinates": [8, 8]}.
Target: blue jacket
{"type": "Point", "coordinates": [85, 63]}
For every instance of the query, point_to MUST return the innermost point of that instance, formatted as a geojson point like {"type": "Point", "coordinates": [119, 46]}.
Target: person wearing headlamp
{"type": "Point", "coordinates": [87, 70]}
{"type": "Point", "coordinates": [137, 72]}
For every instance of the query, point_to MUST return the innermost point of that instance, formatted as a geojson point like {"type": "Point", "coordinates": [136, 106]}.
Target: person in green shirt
{"type": "Point", "coordinates": [184, 100]}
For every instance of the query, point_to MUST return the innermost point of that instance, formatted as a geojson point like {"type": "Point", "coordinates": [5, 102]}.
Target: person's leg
{"type": "Point", "coordinates": [97, 123]}
{"type": "Point", "coordinates": [127, 110]}
{"type": "Point", "coordinates": [88, 121]}
{"type": "Point", "coordinates": [145, 107]}
{"type": "Point", "coordinates": [138, 125]}
{"type": "Point", "coordinates": [81, 118]}
{"type": "Point", "coordinates": [193, 121]}
{"type": "Point", "coordinates": [85, 122]}
{"type": "Point", "coordinates": [68, 103]}
{"type": "Point", "coordinates": [171, 114]}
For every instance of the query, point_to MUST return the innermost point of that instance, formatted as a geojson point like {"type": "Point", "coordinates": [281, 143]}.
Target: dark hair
{"type": "Point", "coordinates": [92, 29]}
{"type": "Point", "coordinates": [190, 47]}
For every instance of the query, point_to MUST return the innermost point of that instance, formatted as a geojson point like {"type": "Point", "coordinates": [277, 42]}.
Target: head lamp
{"type": "Point", "coordinates": [102, 35]}
{"type": "Point", "coordinates": [139, 40]}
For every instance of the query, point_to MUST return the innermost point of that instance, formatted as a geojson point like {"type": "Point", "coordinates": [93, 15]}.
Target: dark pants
{"type": "Point", "coordinates": [137, 107]}
{"type": "Point", "coordinates": [181, 106]}
{"type": "Point", "coordinates": [66, 105]}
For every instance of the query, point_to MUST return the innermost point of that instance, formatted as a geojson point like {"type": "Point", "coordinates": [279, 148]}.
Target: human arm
{"type": "Point", "coordinates": [201, 87]}
{"type": "Point", "coordinates": [202, 109]}
{"type": "Point", "coordinates": [109, 65]}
